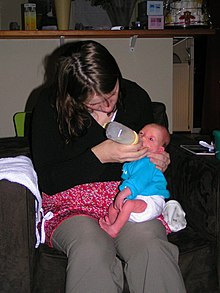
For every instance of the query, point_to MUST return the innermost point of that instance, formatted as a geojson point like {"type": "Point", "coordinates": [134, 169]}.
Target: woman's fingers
{"type": "Point", "coordinates": [161, 160]}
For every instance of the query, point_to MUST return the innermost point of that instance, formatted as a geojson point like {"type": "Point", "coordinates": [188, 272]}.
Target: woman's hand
{"type": "Point", "coordinates": [112, 152]}
{"type": "Point", "coordinates": [161, 160]}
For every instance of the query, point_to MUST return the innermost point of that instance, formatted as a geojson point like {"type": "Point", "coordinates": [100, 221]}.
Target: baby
{"type": "Point", "coordinates": [143, 189]}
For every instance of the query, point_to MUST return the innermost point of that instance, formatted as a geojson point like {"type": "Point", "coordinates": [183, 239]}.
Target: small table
{"type": "Point", "coordinates": [190, 139]}
{"type": "Point", "coordinates": [195, 180]}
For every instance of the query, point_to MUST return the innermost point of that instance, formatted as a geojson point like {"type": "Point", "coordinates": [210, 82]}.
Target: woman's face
{"type": "Point", "coordinates": [105, 104]}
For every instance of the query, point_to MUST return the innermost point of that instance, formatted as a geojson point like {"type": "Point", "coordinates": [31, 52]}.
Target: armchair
{"type": "Point", "coordinates": [25, 269]}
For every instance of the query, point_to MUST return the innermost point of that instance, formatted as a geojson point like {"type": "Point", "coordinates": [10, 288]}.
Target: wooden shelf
{"type": "Point", "coordinates": [167, 33]}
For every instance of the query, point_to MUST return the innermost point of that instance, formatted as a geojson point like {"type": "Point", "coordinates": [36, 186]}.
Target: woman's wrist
{"type": "Point", "coordinates": [98, 152]}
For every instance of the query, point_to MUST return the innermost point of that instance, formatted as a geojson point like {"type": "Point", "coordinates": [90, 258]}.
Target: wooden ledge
{"type": "Point", "coordinates": [166, 33]}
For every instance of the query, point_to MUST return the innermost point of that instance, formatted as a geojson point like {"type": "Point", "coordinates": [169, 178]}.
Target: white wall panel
{"type": "Point", "coordinates": [21, 70]}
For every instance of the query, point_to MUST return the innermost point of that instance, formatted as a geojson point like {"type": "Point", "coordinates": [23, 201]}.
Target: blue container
{"type": "Point", "coordinates": [216, 134]}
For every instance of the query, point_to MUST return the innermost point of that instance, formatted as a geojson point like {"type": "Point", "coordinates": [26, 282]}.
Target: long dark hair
{"type": "Point", "coordinates": [85, 68]}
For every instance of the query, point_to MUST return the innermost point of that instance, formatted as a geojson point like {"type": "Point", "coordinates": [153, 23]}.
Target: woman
{"type": "Point", "coordinates": [79, 172]}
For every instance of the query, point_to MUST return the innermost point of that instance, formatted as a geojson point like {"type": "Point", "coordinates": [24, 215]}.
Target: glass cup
{"type": "Point", "coordinates": [63, 13]}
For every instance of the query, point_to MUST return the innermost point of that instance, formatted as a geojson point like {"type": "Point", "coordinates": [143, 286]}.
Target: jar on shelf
{"type": "Point", "coordinates": [30, 19]}
{"type": "Point", "coordinates": [184, 13]}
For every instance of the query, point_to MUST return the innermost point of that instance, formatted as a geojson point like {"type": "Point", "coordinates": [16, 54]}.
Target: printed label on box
{"type": "Point", "coordinates": [155, 22]}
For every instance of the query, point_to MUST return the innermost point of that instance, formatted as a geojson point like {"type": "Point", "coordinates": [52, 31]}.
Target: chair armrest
{"type": "Point", "coordinates": [159, 113]}
{"type": "Point", "coordinates": [17, 245]}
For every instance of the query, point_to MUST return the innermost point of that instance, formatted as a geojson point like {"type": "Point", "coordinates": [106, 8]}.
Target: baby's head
{"type": "Point", "coordinates": [154, 136]}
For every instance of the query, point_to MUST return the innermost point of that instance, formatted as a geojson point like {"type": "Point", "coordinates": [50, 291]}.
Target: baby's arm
{"type": "Point", "coordinates": [119, 200]}
{"type": "Point", "coordinates": [137, 176]}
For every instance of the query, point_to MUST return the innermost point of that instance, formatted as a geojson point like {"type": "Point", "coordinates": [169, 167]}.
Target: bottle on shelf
{"type": "Point", "coordinates": [29, 17]}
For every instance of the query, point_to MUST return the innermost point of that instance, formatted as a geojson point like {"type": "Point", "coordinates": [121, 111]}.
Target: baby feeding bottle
{"type": "Point", "coordinates": [121, 133]}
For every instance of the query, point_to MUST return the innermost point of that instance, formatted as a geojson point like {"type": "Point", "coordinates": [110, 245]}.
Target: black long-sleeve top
{"type": "Point", "coordinates": [60, 166]}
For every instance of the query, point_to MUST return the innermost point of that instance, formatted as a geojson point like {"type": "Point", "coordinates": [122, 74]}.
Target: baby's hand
{"type": "Point", "coordinates": [118, 203]}
{"type": "Point", "coordinates": [119, 200]}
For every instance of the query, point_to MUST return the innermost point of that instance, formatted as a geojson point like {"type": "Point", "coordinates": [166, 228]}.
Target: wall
{"type": "Point", "coordinates": [10, 10]}
{"type": "Point", "coordinates": [21, 71]}
{"type": "Point", "coordinates": [150, 65]}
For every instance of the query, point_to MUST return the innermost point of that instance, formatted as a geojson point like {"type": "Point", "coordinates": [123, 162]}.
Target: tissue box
{"type": "Point", "coordinates": [155, 22]}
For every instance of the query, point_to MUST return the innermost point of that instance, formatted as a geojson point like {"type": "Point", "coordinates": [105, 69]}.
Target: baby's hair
{"type": "Point", "coordinates": [165, 132]}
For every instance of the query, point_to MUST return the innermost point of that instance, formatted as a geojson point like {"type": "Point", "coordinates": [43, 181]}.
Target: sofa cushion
{"type": "Point", "coordinates": [50, 270]}
{"type": "Point", "coordinates": [197, 261]}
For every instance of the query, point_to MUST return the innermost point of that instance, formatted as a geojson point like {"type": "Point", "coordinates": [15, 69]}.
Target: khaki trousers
{"type": "Point", "coordinates": [93, 267]}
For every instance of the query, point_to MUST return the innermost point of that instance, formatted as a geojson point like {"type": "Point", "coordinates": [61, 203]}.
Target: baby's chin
{"type": "Point", "coordinates": [152, 150]}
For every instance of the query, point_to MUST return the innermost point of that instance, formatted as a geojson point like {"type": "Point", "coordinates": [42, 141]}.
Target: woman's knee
{"type": "Point", "coordinates": [94, 250]}
{"type": "Point", "coordinates": [137, 238]}
{"type": "Point", "coordinates": [81, 237]}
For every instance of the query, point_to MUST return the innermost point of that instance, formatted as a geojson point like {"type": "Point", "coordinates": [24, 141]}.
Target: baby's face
{"type": "Point", "coordinates": [151, 138]}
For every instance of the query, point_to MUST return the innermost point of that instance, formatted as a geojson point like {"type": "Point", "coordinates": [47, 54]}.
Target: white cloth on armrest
{"type": "Point", "coordinates": [20, 170]}
{"type": "Point", "coordinates": [174, 215]}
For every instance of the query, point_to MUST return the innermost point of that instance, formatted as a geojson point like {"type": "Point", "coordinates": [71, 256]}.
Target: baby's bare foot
{"type": "Point", "coordinates": [107, 220]}
{"type": "Point", "coordinates": [108, 228]}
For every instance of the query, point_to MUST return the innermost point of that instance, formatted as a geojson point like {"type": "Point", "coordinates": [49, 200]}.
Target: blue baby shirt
{"type": "Point", "coordinates": [143, 178]}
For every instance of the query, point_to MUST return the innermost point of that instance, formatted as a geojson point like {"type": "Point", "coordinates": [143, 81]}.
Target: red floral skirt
{"type": "Point", "coordinates": [91, 199]}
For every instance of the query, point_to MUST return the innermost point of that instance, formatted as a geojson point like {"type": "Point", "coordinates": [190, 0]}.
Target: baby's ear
{"type": "Point", "coordinates": [161, 149]}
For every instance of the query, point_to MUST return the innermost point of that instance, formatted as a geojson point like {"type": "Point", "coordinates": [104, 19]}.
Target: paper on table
{"type": "Point", "coordinates": [197, 150]}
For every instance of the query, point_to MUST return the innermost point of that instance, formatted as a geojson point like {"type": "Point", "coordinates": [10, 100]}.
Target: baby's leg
{"type": "Point", "coordinates": [136, 206]}
{"type": "Point", "coordinates": [110, 218]}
